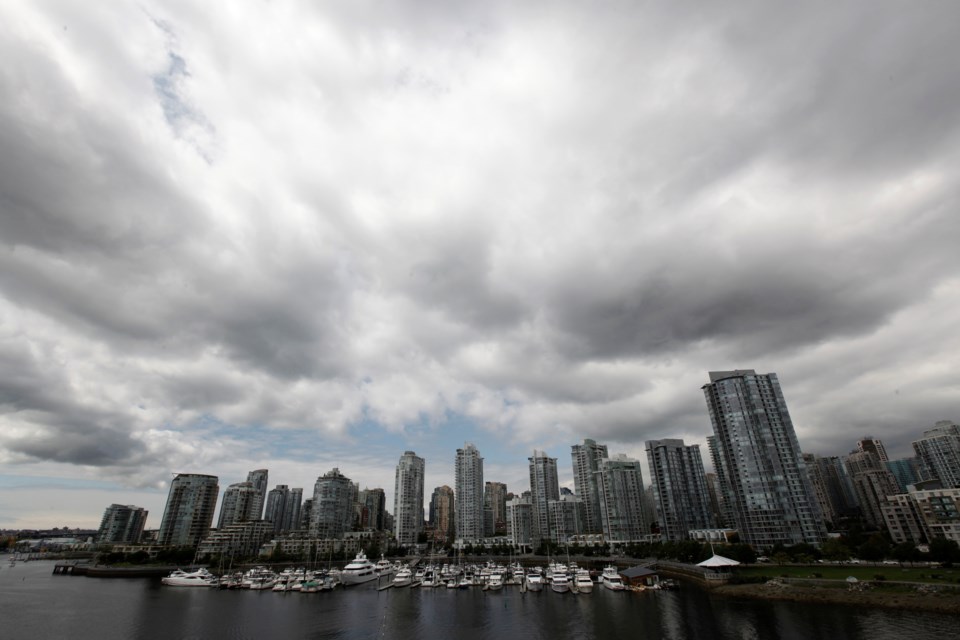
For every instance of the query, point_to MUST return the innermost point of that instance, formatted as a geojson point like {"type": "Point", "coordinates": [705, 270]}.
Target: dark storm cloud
{"type": "Point", "coordinates": [554, 220]}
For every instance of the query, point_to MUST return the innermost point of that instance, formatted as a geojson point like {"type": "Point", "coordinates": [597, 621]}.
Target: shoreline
{"type": "Point", "coordinates": [935, 601]}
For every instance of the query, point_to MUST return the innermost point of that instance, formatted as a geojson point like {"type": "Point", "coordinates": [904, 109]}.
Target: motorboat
{"type": "Point", "coordinates": [384, 567]}
{"type": "Point", "coordinates": [495, 581]}
{"type": "Point", "coordinates": [534, 581]}
{"type": "Point", "coordinates": [403, 578]}
{"type": "Point", "coordinates": [611, 579]}
{"type": "Point", "coordinates": [199, 578]}
{"type": "Point", "coordinates": [559, 582]}
{"type": "Point", "coordinates": [582, 582]}
{"type": "Point", "coordinates": [359, 570]}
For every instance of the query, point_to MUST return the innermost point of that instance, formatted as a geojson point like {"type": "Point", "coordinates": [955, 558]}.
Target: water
{"type": "Point", "coordinates": [34, 604]}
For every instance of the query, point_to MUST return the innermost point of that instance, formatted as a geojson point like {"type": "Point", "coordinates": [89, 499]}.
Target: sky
{"type": "Point", "coordinates": [299, 235]}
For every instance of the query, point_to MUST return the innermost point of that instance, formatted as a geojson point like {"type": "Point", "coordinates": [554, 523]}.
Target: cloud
{"type": "Point", "coordinates": [292, 220]}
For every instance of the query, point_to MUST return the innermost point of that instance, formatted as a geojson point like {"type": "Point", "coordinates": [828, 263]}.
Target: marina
{"type": "Point", "coordinates": [39, 604]}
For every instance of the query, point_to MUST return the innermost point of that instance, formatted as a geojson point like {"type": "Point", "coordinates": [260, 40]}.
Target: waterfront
{"type": "Point", "coordinates": [37, 604]}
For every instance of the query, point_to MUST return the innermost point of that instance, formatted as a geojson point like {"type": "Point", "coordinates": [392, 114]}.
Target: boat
{"type": "Point", "coordinates": [495, 582]}
{"type": "Point", "coordinates": [534, 581]}
{"type": "Point", "coordinates": [198, 578]}
{"type": "Point", "coordinates": [582, 582]}
{"type": "Point", "coordinates": [611, 579]}
{"type": "Point", "coordinates": [359, 570]}
{"type": "Point", "coordinates": [384, 567]}
{"type": "Point", "coordinates": [403, 578]}
{"type": "Point", "coordinates": [559, 582]}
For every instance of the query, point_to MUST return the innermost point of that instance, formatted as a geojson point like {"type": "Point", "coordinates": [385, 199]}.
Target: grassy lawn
{"type": "Point", "coordinates": [860, 572]}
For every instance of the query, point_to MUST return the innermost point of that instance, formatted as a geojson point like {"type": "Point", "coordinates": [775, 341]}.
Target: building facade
{"type": "Point", "coordinates": [520, 522]}
{"type": "Point", "coordinates": [679, 486]}
{"type": "Point", "coordinates": [939, 454]}
{"type": "Point", "coordinates": [620, 483]}
{"type": "Point", "coordinates": [544, 487]}
{"type": "Point", "coordinates": [238, 505]}
{"type": "Point", "coordinates": [469, 493]}
{"type": "Point", "coordinates": [408, 499]}
{"type": "Point", "coordinates": [188, 513]}
{"type": "Point", "coordinates": [586, 459]}
{"type": "Point", "coordinates": [258, 478]}
{"type": "Point", "coordinates": [442, 513]}
{"type": "Point", "coordinates": [332, 509]}
{"type": "Point", "coordinates": [276, 508]}
{"type": "Point", "coordinates": [122, 524]}
{"type": "Point", "coordinates": [495, 502]}
{"type": "Point", "coordinates": [759, 462]}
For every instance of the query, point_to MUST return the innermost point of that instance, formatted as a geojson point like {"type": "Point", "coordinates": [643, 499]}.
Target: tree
{"type": "Point", "coordinates": [875, 548]}
{"type": "Point", "coordinates": [945, 551]}
{"type": "Point", "coordinates": [905, 552]}
{"type": "Point", "coordinates": [835, 549]}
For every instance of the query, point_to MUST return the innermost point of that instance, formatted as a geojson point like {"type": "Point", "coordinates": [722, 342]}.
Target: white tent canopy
{"type": "Point", "coordinates": [718, 561]}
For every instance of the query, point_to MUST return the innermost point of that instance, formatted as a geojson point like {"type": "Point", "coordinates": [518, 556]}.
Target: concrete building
{"type": "Point", "coordinates": [939, 454]}
{"type": "Point", "coordinates": [188, 513]}
{"type": "Point", "coordinates": [122, 524]}
{"type": "Point", "coordinates": [905, 470]}
{"type": "Point", "coordinates": [872, 483]}
{"type": "Point", "coordinates": [332, 509]}
{"type": "Point", "coordinates": [759, 461]}
{"type": "Point", "coordinates": [408, 499]}
{"type": "Point", "coordinates": [679, 488]}
{"type": "Point", "coordinates": [291, 513]}
{"type": "Point", "coordinates": [620, 482]}
{"type": "Point", "coordinates": [240, 540]}
{"type": "Point", "coordinates": [520, 523]}
{"type": "Point", "coordinates": [920, 516]}
{"type": "Point", "coordinates": [832, 486]}
{"type": "Point", "coordinates": [586, 459]}
{"type": "Point", "coordinates": [566, 518]}
{"type": "Point", "coordinates": [869, 444]}
{"type": "Point", "coordinates": [468, 473]}
{"type": "Point", "coordinates": [544, 487]}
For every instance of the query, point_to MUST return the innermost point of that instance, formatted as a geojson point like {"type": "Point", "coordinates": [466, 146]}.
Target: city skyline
{"type": "Point", "coordinates": [406, 227]}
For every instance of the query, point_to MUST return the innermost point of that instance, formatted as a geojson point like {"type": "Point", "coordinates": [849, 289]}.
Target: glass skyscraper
{"type": "Point", "coordinates": [759, 462]}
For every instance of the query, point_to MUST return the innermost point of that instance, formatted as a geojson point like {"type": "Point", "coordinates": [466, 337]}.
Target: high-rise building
{"type": "Point", "coordinates": [239, 504]}
{"type": "Point", "coordinates": [713, 491]}
{"type": "Point", "coordinates": [620, 483]}
{"type": "Point", "coordinates": [291, 514]}
{"type": "Point", "coordinates": [873, 483]}
{"type": "Point", "coordinates": [520, 522]}
{"type": "Point", "coordinates": [758, 461]}
{"type": "Point", "coordinates": [939, 454]}
{"type": "Point", "coordinates": [832, 486]}
{"type": "Point", "coordinates": [306, 514]}
{"type": "Point", "coordinates": [495, 503]}
{"type": "Point", "coordinates": [679, 488]}
{"type": "Point", "coordinates": [905, 470]}
{"type": "Point", "coordinates": [408, 499]}
{"type": "Point", "coordinates": [586, 463]}
{"type": "Point", "coordinates": [544, 487]}
{"type": "Point", "coordinates": [122, 524]}
{"type": "Point", "coordinates": [469, 494]}
{"type": "Point", "coordinates": [259, 480]}
{"type": "Point", "coordinates": [566, 517]}
{"type": "Point", "coordinates": [869, 444]}
{"type": "Point", "coordinates": [375, 507]}
{"type": "Point", "coordinates": [442, 512]}
{"type": "Point", "coordinates": [276, 509]}
{"type": "Point", "coordinates": [332, 506]}
{"type": "Point", "coordinates": [188, 513]}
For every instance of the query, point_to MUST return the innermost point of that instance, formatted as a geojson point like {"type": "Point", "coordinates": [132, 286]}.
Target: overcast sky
{"type": "Point", "coordinates": [307, 235]}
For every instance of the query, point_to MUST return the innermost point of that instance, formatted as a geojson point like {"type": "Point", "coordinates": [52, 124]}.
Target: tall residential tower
{"type": "Point", "coordinates": [408, 499]}
{"type": "Point", "coordinates": [758, 461]}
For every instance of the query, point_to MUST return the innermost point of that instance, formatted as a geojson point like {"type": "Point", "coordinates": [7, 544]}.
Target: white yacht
{"type": "Point", "coordinates": [559, 582]}
{"type": "Point", "coordinates": [403, 578]}
{"type": "Point", "coordinates": [495, 581]}
{"type": "Point", "coordinates": [198, 578]}
{"type": "Point", "coordinates": [611, 579]}
{"type": "Point", "coordinates": [582, 582]}
{"type": "Point", "coordinates": [359, 570]}
{"type": "Point", "coordinates": [384, 567]}
{"type": "Point", "coordinates": [534, 581]}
